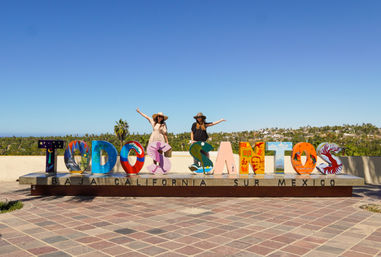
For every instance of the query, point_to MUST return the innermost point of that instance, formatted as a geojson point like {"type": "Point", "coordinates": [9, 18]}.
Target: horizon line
{"type": "Point", "coordinates": [37, 134]}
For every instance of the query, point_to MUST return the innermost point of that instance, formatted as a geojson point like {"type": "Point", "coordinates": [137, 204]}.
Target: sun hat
{"type": "Point", "coordinates": [200, 115]}
{"type": "Point", "coordinates": [159, 114]}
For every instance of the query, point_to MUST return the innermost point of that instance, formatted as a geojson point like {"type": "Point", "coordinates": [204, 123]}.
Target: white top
{"type": "Point", "coordinates": [158, 132]}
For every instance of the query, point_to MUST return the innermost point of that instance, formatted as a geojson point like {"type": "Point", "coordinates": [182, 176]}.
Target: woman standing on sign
{"type": "Point", "coordinates": [159, 128]}
{"type": "Point", "coordinates": [198, 132]}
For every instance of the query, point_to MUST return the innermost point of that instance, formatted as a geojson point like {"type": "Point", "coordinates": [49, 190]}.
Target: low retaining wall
{"type": "Point", "coordinates": [12, 167]}
{"type": "Point", "coordinates": [368, 168]}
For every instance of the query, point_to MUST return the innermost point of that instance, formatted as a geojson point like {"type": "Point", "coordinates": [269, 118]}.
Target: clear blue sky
{"type": "Point", "coordinates": [69, 67]}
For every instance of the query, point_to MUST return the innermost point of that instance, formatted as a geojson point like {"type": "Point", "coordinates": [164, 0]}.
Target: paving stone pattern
{"type": "Point", "coordinates": [127, 226]}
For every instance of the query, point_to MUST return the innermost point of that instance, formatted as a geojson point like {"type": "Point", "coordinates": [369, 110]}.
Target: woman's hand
{"type": "Point", "coordinates": [145, 116]}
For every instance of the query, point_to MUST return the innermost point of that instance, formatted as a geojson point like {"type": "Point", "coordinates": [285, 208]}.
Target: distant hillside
{"type": "Point", "coordinates": [358, 140]}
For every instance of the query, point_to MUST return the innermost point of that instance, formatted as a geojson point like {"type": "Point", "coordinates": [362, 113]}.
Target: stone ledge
{"type": "Point", "coordinates": [190, 180]}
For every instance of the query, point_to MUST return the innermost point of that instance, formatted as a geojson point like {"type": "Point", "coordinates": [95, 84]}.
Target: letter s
{"type": "Point", "coordinates": [334, 166]}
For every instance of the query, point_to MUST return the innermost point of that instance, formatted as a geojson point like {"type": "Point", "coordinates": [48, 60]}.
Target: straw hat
{"type": "Point", "coordinates": [159, 114]}
{"type": "Point", "coordinates": [200, 115]}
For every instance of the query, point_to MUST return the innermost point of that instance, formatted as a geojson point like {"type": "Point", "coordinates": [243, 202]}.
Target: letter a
{"type": "Point", "coordinates": [225, 156]}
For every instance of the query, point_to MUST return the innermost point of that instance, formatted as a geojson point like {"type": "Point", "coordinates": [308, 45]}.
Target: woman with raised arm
{"type": "Point", "coordinates": [198, 130]}
{"type": "Point", "coordinates": [159, 128]}
{"type": "Point", "coordinates": [198, 133]}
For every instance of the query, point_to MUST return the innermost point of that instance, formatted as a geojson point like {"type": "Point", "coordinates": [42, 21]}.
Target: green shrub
{"type": "Point", "coordinates": [10, 206]}
{"type": "Point", "coordinates": [371, 207]}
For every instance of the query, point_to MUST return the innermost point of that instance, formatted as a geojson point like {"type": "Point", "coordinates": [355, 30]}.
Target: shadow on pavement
{"type": "Point", "coordinates": [371, 191]}
{"type": "Point", "coordinates": [58, 197]}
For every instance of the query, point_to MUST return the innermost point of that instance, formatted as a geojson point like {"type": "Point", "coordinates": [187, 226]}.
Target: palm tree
{"type": "Point", "coordinates": [121, 131]}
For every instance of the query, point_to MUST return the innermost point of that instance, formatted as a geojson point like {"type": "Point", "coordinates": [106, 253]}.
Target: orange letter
{"type": "Point", "coordinates": [296, 161]}
{"type": "Point", "coordinates": [254, 157]}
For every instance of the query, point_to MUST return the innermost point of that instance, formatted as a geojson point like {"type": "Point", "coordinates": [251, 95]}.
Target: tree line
{"type": "Point", "coordinates": [357, 140]}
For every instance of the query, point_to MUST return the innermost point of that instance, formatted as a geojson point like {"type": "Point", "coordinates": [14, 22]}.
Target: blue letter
{"type": "Point", "coordinates": [96, 148]}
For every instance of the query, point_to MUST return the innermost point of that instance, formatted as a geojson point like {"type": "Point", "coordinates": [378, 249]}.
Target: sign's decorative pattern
{"type": "Point", "coordinates": [156, 150]}
{"type": "Point", "coordinates": [255, 158]}
{"type": "Point", "coordinates": [326, 151]}
{"type": "Point", "coordinates": [199, 151]}
{"type": "Point", "coordinates": [84, 150]}
{"type": "Point", "coordinates": [51, 156]}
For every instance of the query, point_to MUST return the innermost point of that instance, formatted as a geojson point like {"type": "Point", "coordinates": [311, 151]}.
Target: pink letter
{"type": "Point", "coordinates": [225, 155]}
{"type": "Point", "coordinates": [163, 163]}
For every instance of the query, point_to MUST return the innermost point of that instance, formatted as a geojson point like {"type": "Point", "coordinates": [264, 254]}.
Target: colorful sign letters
{"type": "Point", "coordinates": [248, 156]}
{"type": "Point", "coordinates": [155, 150]}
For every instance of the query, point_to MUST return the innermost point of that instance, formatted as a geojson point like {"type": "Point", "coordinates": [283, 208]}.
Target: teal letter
{"type": "Point", "coordinates": [199, 151]}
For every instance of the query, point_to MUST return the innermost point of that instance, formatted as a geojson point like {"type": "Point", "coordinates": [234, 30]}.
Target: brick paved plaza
{"type": "Point", "coordinates": [117, 226]}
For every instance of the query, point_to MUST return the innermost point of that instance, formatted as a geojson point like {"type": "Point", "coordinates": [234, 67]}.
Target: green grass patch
{"type": "Point", "coordinates": [10, 206]}
{"type": "Point", "coordinates": [371, 207]}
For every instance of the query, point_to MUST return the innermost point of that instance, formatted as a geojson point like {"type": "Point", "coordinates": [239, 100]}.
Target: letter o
{"type": "Point", "coordinates": [139, 150]}
{"type": "Point", "coordinates": [311, 155]}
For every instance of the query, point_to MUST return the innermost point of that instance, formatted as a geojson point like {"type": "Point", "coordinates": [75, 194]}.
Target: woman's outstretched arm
{"type": "Point", "coordinates": [145, 116]}
{"type": "Point", "coordinates": [215, 123]}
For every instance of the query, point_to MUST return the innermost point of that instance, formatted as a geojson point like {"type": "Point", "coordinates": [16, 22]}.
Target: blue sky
{"type": "Point", "coordinates": [74, 67]}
